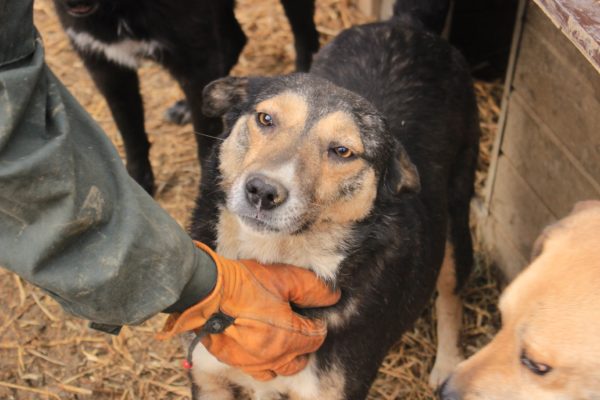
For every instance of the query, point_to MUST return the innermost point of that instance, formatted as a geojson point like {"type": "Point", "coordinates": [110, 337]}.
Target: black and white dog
{"type": "Point", "coordinates": [362, 171]}
{"type": "Point", "coordinates": [197, 41]}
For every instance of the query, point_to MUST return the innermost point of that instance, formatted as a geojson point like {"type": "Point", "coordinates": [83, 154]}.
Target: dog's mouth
{"type": "Point", "coordinates": [81, 8]}
{"type": "Point", "coordinates": [262, 223]}
{"type": "Point", "coordinates": [258, 224]}
{"type": "Point", "coordinates": [262, 226]}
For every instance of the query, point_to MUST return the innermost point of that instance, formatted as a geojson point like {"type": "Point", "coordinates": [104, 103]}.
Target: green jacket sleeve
{"type": "Point", "coordinates": [71, 219]}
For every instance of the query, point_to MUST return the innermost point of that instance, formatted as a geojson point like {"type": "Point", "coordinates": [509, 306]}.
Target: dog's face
{"type": "Point", "coordinates": [548, 346]}
{"type": "Point", "coordinates": [302, 152]}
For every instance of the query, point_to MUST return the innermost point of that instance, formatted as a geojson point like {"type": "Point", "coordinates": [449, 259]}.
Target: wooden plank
{"type": "Point", "coordinates": [512, 61]}
{"type": "Point", "coordinates": [579, 20]}
{"type": "Point", "coordinates": [557, 43]}
{"type": "Point", "coordinates": [498, 244]}
{"type": "Point", "coordinates": [542, 162]}
{"type": "Point", "coordinates": [519, 211]}
{"type": "Point", "coordinates": [561, 94]}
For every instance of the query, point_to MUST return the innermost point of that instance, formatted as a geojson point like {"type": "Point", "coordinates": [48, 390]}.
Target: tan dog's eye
{"type": "Point", "coordinates": [342, 151]}
{"type": "Point", "coordinates": [264, 119]}
{"type": "Point", "coordinates": [535, 367]}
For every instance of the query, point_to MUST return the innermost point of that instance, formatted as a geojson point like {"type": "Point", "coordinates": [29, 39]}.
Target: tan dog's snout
{"type": "Point", "coordinates": [264, 193]}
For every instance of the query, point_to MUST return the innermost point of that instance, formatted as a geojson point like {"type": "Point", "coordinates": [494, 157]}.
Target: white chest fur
{"type": "Point", "coordinates": [126, 52]}
{"type": "Point", "coordinates": [320, 250]}
{"type": "Point", "coordinates": [305, 385]}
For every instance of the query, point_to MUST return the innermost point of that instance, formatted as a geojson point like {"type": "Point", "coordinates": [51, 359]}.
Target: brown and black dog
{"type": "Point", "coordinates": [548, 347]}
{"type": "Point", "coordinates": [361, 171]}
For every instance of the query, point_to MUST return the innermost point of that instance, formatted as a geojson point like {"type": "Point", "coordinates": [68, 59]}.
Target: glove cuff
{"type": "Point", "coordinates": [197, 315]}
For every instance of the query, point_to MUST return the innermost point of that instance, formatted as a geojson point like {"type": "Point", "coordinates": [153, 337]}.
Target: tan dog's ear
{"type": "Point", "coordinates": [403, 175]}
{"type": "Point", "coordinates": [585, 205]}
{"type": "Point", "coordinates": [538, 245]}
{"type": "Point", "coordinates": [220, 95]}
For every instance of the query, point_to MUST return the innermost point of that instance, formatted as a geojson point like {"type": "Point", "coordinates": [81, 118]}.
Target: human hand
{"type": "Point", "coordinates": [267, 338]}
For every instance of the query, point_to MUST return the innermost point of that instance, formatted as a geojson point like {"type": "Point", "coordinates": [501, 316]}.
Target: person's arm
{"type": "Point", "coordinates": [75, 224]}
{"type": "Point", "coordinates": [72, 221]}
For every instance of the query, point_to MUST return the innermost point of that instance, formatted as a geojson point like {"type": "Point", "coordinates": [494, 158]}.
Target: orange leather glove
{"type": "Point", "coordinates": [267, 338]}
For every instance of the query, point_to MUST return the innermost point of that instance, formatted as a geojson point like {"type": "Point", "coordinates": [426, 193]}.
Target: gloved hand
{"type": "Point", "coordinates": [267, 338]}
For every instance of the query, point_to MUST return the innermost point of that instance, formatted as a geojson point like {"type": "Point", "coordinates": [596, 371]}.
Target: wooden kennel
{"type": "Point", "coordinates": [546, 154]}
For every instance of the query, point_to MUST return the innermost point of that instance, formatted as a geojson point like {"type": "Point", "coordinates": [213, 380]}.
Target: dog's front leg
{"type": "Point", "coordinates": [300, 13]}
{"type": "Point", "coordinates": [121, 89]}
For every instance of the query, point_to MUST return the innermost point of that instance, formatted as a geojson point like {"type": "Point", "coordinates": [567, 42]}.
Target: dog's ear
{"type": "Point", "coordinates": [585, 205]}
{"type": "Point", "coordinates": [538, 245]}
{"type": "Point", "coordinates": [220, 95]}
{"type": "Point", "coordinates": [402, 174]}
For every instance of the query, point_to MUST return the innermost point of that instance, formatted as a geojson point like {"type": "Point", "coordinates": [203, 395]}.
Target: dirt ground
{"type": "Point", "coordinates": [47, 354]}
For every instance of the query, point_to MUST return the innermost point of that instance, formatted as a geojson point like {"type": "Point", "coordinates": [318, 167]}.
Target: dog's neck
{"type": "Point", "coordinates": [320, 249]}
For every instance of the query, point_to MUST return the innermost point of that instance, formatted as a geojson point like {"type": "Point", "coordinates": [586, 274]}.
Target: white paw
{"type": "Point", "coordinates": [443, 367]}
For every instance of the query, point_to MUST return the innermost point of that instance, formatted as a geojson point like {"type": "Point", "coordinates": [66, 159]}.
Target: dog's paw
{"type": "Point", "coordinates": [179, 113]}
{"type": "Point", "coordinates": [442, 369]}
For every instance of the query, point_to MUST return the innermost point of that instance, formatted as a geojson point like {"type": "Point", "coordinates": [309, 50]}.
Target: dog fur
{"type": "Point", "coordinates": [548, 346]}
{"type": "Point", "coordinates": [197, 41]}
{"type": "Point", "coordinates": [375, 224]}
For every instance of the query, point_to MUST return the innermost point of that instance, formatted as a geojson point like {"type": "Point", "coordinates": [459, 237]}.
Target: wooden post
{"type": "Point", "coordinates": [379, 9]}
{"type": "Point", "coordinates": [369, 7]}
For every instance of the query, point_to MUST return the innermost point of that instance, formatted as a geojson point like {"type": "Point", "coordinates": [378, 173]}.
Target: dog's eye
{"type": "Point", "coordinates": [264, 119]}
{"type": "Point", "coordinates": [342, 151]}
{"type": "Point", "coordinates": [535, 367]}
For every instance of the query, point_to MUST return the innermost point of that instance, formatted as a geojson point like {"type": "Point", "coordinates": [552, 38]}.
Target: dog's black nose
{"type": "Point", "coordinates": [265, 193]}
{"type": "Point", "coordinates": [445, 392]}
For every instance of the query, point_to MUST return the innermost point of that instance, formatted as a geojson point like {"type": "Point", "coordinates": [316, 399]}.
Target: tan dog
{"type": "Point", "coordinates": [549, 344]}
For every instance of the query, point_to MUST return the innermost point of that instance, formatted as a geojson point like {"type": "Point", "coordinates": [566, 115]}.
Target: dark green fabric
{"type": "Point", "coordinates": [71, 220]}
{"type": "Point", "coordinates": [17, 39]}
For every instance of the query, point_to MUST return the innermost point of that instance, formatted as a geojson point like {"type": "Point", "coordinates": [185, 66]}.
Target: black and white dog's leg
{"type": "Point", "coordinates": [121, 89]}
{"type": "Point", "coordinates": [301, 13]}
{"type": "Point", "coordinates": [225, 48]}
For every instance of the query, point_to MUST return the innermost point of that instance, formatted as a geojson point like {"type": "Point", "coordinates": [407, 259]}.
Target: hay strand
{"type": "Point", "coordinates": [30, 390]}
